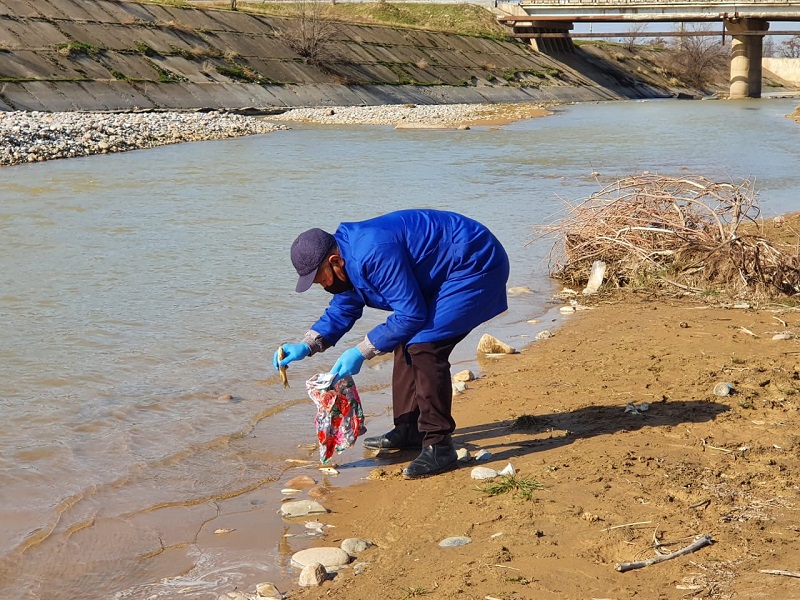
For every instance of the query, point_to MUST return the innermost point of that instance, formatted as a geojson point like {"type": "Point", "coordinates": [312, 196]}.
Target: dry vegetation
{"type": "Point", "coordinates": [686, 233]}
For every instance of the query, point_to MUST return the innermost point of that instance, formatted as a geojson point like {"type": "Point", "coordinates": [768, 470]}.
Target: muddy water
{"type": "Point", "coordinates": [142, 296]}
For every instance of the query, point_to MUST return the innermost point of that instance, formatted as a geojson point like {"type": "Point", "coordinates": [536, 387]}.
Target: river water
{"type": "Point", "coordinates": [138, 290]}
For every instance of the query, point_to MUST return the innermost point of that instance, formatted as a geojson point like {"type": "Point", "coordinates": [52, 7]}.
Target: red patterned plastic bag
{"type": "Point", "coordinates": [340, 418]}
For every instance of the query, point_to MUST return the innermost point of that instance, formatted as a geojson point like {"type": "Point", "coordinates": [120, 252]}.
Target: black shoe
{"type": "Point", "coordinates": [432, 460]}
{"type": "Point", "coordinates": [402, 437]}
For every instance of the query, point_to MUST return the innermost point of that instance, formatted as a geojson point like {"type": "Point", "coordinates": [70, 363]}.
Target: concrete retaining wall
{"type": "Point", "coordinates": [111, 55]}
{"type": "Point", "coordinates": [785, 68]}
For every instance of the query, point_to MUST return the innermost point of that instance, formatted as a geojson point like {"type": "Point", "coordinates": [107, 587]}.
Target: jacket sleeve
{"type": "Point", "coordinates": [391, 274]}
{"type": "Point", "coordinates": [340, 316]}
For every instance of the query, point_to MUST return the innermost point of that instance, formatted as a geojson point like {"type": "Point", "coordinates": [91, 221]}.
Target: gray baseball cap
{"type": "Point", "coordinates": [308, 251]}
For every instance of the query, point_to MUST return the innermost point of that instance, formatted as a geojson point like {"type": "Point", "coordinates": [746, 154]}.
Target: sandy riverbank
{"type": "Point", "coordinates": [618, 485]}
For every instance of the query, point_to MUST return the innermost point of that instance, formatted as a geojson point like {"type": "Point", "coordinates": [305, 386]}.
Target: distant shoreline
{"type": "Point", "coordinates": [30, 137]}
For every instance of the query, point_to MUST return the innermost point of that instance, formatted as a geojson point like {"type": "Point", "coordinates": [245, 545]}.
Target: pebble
{"type": "Point", "coordinates": [268, 590]}
{"type": "Point", "coordinates": [355, 545]}
{"type": "Point", "coordinates": [453, 542]}
{"type": "Point", "coordinates": [463, 454]}
{"type": "Point", "coordinates": [312, 575]}
{"type": "Point", "coordinates": [301, 482]}
{"type": "Point", "coordinates": [783, 335]}
{"type": "Point", "coordinates": [38, 136]}
{"type": "Point", "coordinates": [319, 492]}
{"type": "Point", "coordinates": [360, 568]}
{"type": "Point", "coordinates": [301, 508]}
{"type": "Point", "coordinates": [491, 345]}
{"type": "Point", "coordinates": [482, 473]}
{"type": "Point", "coordinates": [328, 556]}
{"type": "Point", "coordinates": [465, 375]}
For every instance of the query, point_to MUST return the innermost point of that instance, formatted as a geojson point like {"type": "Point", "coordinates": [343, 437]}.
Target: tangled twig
{"type": "Point", "coordinates": [693, 234]}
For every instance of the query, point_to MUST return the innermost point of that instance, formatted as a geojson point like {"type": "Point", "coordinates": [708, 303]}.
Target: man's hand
{"type": "Point", "coordinates": [292, 353]}
{"type": "Point", "coordinates": [349, 363]}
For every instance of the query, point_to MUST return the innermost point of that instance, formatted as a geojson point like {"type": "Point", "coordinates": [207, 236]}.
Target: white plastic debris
{"type": "Point", "coordinates": [595, 278]}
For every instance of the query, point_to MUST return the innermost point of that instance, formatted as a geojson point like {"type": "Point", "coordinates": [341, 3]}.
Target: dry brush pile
{"type": "Point", "coordinates": [684, 233]}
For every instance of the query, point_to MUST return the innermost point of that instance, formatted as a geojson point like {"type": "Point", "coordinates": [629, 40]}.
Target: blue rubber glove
{"type": "Point", "coordinates": [349, 363]}
{"type": "Point", "coordinates": [292, 353]}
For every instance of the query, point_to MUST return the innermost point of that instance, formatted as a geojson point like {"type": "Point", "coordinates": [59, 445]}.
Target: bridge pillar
{"type": "Point", "coordinates": [746, 50]}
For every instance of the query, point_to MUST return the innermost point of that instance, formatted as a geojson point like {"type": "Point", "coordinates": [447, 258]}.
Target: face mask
{"type": "Point", "coordinates": [338, 286]}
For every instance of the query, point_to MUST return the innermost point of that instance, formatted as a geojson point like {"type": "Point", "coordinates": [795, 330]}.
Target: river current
{"type": "Point", "coordinates": [143, 294]}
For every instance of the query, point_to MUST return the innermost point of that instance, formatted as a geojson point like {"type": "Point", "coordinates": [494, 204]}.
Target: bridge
{"type": "Point", "coordinates": [547, 23]}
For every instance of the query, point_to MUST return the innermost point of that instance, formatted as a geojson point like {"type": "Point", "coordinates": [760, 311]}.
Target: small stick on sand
{"type": "Point", "coordinates": [775, 572]}
{"type": "Point", "coordinates": [703, 540]}
{"type": "Point", "coordinates": [707, 445]}
{"type": "Point", "coordinates": [627, 525]}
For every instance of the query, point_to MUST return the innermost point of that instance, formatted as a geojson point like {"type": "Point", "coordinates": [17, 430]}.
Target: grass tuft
{"type": "Point", "coordinates": [513, 484]}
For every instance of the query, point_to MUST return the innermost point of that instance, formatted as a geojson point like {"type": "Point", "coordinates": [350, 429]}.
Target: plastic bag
{"type": "Point", "coordinates": [340, 418]}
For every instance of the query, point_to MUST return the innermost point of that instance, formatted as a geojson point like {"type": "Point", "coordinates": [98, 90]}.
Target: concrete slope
{"type": "Point", "coordinates": [59, 55]}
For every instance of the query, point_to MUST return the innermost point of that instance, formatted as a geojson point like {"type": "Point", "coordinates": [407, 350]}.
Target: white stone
{"type": "Point", "coordinates": [454, 542]}
{"type": "Point", "coordinates": [783, 335]}
{"type": "Point", "coordinates": [543, 335]}
{"type": "Point", "coordinates": [312, 575]}
{"type": "Point", "coordinates": [355, 545]}
{"type": "Point", "coordinates": [459, 387]}
{"type": "Point", "coordinates": [481, 473]}
{"type": "Point", "coordinates": [491, 345]}
{"type": "Point", "coordinates": [463, 454]}
{"type": "Point", "coordinates": [301, 508]}
{"type": "Point", "coordinates": [329, 557]}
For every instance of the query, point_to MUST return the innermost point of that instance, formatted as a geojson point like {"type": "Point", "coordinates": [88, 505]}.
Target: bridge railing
{"type": "Point", "coordinates": [670, 3]}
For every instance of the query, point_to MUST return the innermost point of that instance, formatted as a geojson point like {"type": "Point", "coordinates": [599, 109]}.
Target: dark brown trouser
{"type": "Point", "coordinates": [422, 393]}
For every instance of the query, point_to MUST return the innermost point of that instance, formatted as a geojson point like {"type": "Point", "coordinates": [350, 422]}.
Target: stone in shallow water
{"type": "Point", "coordinates": [328, 557]}
{"type": "Point", "coordinates": [453, 542]}
{"type": "Point", "coordinates": [301, 508]}
{"type": "Point", "coordinates": [301, 482]}
{"type": "Point", "coordinates": [268, 590]}
{"type": "Point", "coordinates": [491, 345]}
{"type": "Point", "coordinates": [465, 375]}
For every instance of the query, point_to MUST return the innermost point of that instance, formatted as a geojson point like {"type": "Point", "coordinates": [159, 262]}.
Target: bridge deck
{"type": "Point", "coordinates": [611, 11]}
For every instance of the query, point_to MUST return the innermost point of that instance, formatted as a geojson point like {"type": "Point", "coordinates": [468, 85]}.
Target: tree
{"type": "Point", "coordinates": [635, 38]}
{"type": "Point", "coordinates": [311, 32]}
{"type": "Point", "coordinates": [699, 59]}
{"type": "Point", "coordinates": [791, 47]}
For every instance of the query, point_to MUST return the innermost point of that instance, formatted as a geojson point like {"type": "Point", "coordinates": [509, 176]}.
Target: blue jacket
{"type": "Point", "coordinates": [440, 273]}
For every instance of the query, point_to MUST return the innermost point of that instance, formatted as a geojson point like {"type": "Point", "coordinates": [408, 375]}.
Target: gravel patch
{"type": "Point", "coordinates": [27, 137]}
{"type": "Point", "coordinates": [443, 115]}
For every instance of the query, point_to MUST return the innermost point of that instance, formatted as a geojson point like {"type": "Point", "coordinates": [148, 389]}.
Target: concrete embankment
{"type": "Point", "coordinates": [64, 55]}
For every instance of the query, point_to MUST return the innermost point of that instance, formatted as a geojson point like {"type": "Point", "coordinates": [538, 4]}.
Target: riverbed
{"type": "Point", "coordinates": [142, 295]}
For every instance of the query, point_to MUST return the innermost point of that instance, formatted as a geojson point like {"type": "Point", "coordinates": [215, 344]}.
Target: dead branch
{"type": "Point", "coordinates": [683, 232]}
{"type": "Point", "coordinates": [776, 572]}
{"type": "Point", "coordinates": [700, 542]}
